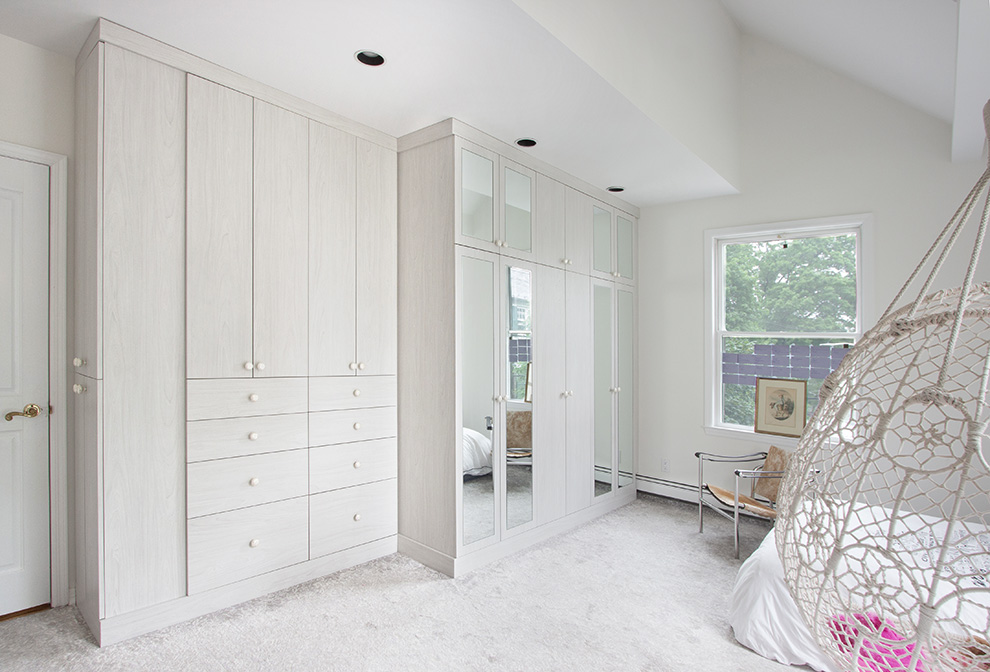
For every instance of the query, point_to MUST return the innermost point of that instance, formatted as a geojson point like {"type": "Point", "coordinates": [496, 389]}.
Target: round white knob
{"type": "Point", "coordinates": [249, 365]}
{"type": "Point", "coordinates": [357, 393]}
{"type": "Point", "coordinates": [260, 366]}
{"type": "Point", "coordinates": [361, 366]}
{"type": "Point", "coordinates": [563, 261]}
{"type": "Point", "coordinates": [254, 543]}
{"type": "Point", "coordinates": [252, 397]}
{"type": "Point", "coordinates": [618, 389]}
{"type": "Point", "coordinates": [357, 465]}
{"type": "Point", "coordinates": [352, 366]}
{"type": "Point", "coordinates": [498, 243]}
{"type": "Point", "coordinates": [253, 482]}
{"type": "Point", "coordinates": [77, 362]}
{"type": "Point", "coordinates": [496, 398]}
{"type": "Point", "coordinates": [78, 389]}
{"type": "Point", "coordinates": [357, 517]}
{"type": "Point", "coordinates": [253, 436]}
{"type": "Point", "coordinates": [505, 398]}
{"type": "Point", "coordinates": [569, 262]}
{"type": "Point", "coordinates": [357, 425]}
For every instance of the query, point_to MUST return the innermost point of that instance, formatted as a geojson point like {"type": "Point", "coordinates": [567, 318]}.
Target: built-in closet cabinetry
{"type": "Point", "coordinates": [501, 451]}
{"type": "Point", "coordinates": [234, 338]}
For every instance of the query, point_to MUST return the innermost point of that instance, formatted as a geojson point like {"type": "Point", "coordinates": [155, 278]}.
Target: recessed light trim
{"type": "Point", "coordinates": [526, 142]}
{"type": "Point", "coordinates": [372, 58]}
{"type": "Point", "coordinates": [615, 190]}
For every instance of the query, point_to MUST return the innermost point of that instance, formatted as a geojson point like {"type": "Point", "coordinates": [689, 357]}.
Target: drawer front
{"type": "Point", "coordinates": [233, 437]}
{"type": "Point", "coordinates": [237, 482]}
{"type": "Point", "coordinates": [359, 424]}
{"type": "Point", "coordinates": [242, 397]}
{"type": "Point", "coordinates": [331, 394]}
{"type": "Point", "coordinates": [221, 550]}
{"type": "Point", "coordinates": [348, 464]}
{"type": "Point", "coordinates": [344, 518]}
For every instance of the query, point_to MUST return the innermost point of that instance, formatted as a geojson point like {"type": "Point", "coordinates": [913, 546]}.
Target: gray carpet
{"type": "Point", "coordinates": [638, 589]}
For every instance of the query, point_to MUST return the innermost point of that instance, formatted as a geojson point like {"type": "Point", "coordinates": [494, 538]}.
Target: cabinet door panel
{"type": "Point", "coordinates": [577, 239]}
{"type": "Point", "coordinates": [518, 188]}
{"type": "Point", "coordinates": [332, 251]}
{"type": "Point", "coordinates": [281, 216]}
{"type": "Point", "coordinates": [602, 262]}
{"type": "Point", "coordinates": [550, 401]}
{"type": "Point", "coordinates": [603, 317]}
{"type": "Point", "coordinates": [377, 303]}
{"type": "Point", "coordinates": [580, 381]}
{"type": "Point", "coordinates": [144, 332]}
{"type": "Point", "coordinates": [551, 199]}
{"type": "Point", "coordinates": [219, 232]}
{"type": "Point", "coordinates": [625, 247]}
{"type": "Point", "coordinates": [625, 425]}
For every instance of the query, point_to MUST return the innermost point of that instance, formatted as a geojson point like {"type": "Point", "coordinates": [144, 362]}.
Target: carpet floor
{"type": "Point", "coordinates": [637, 589]}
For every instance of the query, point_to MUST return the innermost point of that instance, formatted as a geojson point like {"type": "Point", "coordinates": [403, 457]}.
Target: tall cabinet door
{"type": "Point", "coordinates": [143, 332]}
{"type": "Point", "coordinates": [624, 381]}
{"type": "Point", "coordinates": [550, 395]}
{"type": "Point", "coordinates": [281, 219]}
{"type": "Point", "coordinates": [603, 320]}
{"type": "Point", "coordinates": [377, 303]}
{"type": "Point", "coordinates": [580, 436]}
{"type": "Point", "coordinates": [332, 251]}
{"type": "Point", "coordinates": [219, 231]}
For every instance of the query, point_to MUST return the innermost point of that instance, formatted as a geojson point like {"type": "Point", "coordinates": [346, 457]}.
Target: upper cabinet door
{"type": "Point", "coordinates": [578, 231]}
{"type": "Point", "coordinates": [332, 251]}
{"type": "Point", "coordinates": [281, 216]}
{"type": "Point", "coordinates": [476, 203]}
{"type": "Point", "coordinates": [551, 199]}
{"type": "Point", "coordinates": [518, 201]}
{"type": "Point", "coordinates": [602, 239]}
{"type": "Point", "coordinates": [625, 248]}
{"type": "Point", "coordinates": [377, 302]}
{"type": "Point", "coordinates": [219, 244]}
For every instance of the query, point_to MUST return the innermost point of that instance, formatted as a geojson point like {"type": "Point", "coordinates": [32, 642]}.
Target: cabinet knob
{"type": "Point", "coordinates": [361, 366]}
{"type": "Point", "coordinates": [249, 366]}
{"type": "Point", "coordinates": [78, 389]}
{"type": "Point", "coordinates": [252, 397]}
{"type": "Point", "coordinates": [618, 389]}
{"type": "Point", "coordinates": [357, 393]}
{"type": "Point", "coordinates": [77, 362]}
{"type": "Point", "coordinates": [253, 436]}
{"type": "Point", "coordinates": [260, 366]}
{"type": "Point", "coordinates": [254, 481]}
{"type": "Point", "coordinates": [357, 517]}
{"type": "Point", "coordinates": [357, 465]}
{"type": "Point", "coordinates": [352, 366]}
{"type": "Point", "coordinates": [498, 243]}
{"type": "Point", "coordinates": [254, 543]}
{"type": "Point", "coordinates": [357, 425]}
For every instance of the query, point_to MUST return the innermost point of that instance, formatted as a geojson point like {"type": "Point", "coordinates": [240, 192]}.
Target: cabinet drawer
{"type": "Point", "coordinates": [347, 464]}
{"type": "Point", "coordinates": [233, 437]}
{"type": "Point", "coordinates": [331, 394]}
{"type": "Point", "coordinates": [241, 397]}
{"type": "Point", "coordinates": [235, 545]}
{"type": "Point", "coordinates": [359, 424]}
{"type": "Point", "coordinates": [237, 482]}
{"type": "Point", "coordinates": [344, 518]}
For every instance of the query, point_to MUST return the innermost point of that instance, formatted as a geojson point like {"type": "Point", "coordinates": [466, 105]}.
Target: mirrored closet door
{"type": "Point", "coordinates": [604, 386]}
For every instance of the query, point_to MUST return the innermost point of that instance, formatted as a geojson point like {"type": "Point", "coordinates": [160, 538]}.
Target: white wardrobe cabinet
{"type": "Point", "coordinates": [613, 243]}
{"type": "Point", "coordinates": [352, 284]}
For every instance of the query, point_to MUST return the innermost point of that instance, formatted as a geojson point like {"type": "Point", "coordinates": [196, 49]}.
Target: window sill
{"type": "Point", "coordinates": [751, 436]}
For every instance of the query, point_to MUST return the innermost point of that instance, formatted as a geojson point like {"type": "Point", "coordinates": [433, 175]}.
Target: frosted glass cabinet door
{"type": "Point", "coordinates": [624, 384]}
{"type": "Point", "coordinates": [601, 242]}
{"type": "Point", "coordinates": [477, 197]}
{"type": "Point", "coordinates": [625, 242]}
{"type": "Point", "coordinates": [518, 197]}
{"type": "Point", "coordinates": [604, 387]}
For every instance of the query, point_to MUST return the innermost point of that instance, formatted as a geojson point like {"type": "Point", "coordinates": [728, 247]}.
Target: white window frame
{"type": "Point", "coordinates": [715, 242]}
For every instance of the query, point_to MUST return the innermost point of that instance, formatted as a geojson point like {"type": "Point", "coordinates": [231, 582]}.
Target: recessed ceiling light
{"type": "Point", "coordinates": [615, 190]}
{"type": "Point", "coordinates": [372, 58]}
{"type": "Point", "coordinates": [526, 142]}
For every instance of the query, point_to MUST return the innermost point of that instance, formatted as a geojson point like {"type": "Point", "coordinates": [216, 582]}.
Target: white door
{"type": "Point", "coordinates": [25, 574]}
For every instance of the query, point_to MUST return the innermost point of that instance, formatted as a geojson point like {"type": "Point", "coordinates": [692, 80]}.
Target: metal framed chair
{"type": "Point", "coordinates": [764, 484]}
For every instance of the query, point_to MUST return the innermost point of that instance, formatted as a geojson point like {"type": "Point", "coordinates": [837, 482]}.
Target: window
{"type": "Point", "coordinates": [785, 301]}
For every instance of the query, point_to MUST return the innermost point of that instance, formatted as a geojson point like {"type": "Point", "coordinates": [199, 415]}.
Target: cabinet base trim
{"type": "Point", "coordinates": [119, 628]}
{"type": "Point", "coordinates": [425, 555]}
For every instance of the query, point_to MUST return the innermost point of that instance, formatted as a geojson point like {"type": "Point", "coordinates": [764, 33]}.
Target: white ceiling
{"type": "Point", "coordinates": [489, 64]}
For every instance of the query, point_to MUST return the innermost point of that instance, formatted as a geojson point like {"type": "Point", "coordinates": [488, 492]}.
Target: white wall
{"type": "Point", "coordinates": [676, 61]}
{"type": "Point", "coordinates": [812, 144]}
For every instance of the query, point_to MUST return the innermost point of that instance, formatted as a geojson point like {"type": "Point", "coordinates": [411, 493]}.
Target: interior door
{"type": "Point", "coordinates": [25, 569]}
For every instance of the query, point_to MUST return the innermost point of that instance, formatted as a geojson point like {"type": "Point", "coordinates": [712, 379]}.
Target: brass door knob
{"type": "Point", "coordinates": [30, 411]}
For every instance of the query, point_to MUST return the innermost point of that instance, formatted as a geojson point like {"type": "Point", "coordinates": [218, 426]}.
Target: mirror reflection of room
{"type": "Point", "coordinates": [519, 406]}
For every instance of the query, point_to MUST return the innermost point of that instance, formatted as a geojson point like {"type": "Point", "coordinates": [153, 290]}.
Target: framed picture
{"type": "Point", "coordinates": [780, 406]}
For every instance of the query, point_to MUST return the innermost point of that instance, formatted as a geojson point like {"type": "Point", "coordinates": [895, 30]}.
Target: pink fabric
{"type": "Point", "coordinates": [878, 653]}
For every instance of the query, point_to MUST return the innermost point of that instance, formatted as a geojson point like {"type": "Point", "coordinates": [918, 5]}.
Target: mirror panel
{"type": "Point", "coordinates": [602, 240]}
{"type": "Point", "coordinates": [624, 356]}
{"type": "Point", "coordinates": [624, 246]}
{"type": "Point", "coordinates": [477, 196]}
{"type": "Point", "coordinates": [518, 211]}
{"type": "Point", "coordinates": [478, 386]}
{"type": "Point", "coordinates": [519, 409]}
{"type": "Point", "coordinates": [602, 319]}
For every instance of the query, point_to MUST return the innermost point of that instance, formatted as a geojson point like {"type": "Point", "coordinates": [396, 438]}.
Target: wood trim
{"type": "Point", "coordinates": [25, 612]}
{"type": "Point", "coordinates": [112, 33]}
{"type": "Point", "coordinates": [58, 375]}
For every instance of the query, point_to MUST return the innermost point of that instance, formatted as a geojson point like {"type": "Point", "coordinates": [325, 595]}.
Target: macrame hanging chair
{"type": "Point", "coordinates": [884, 517]}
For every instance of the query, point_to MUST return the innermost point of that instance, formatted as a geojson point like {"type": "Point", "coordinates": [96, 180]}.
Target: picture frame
{"type": "Point", "coordinates": [781, 406]}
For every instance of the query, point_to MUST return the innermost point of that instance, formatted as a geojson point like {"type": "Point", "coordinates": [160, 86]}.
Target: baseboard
{"type": "Point", "coordinates": [665, 488]}
{"type": "Point", "coordinates": [425, 555]}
